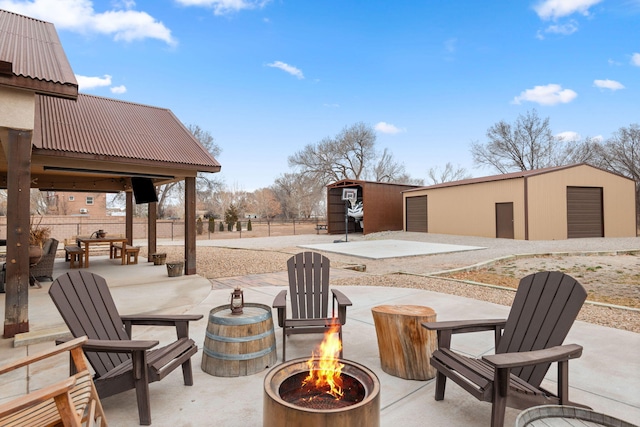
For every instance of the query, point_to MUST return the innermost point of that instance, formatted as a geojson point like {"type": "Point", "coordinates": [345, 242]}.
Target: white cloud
{"type": "Point", "coordinates": [608, 84]}
{"type": "Point", "coordinates": [287, 68]}
{"type": "Point", "coordinates": [569, 136]}
{"type": "Point", "coordinates": [88, 83]}
{"type": "Point", "coordinates": [118, 89]}
{"type": "Point", "coordinates": [635, 59]}
{"type": "Point", "coordinates": [385, 127]}
{"type": "Point", "coordinates": [79, 16]}
{"type": "Point", "coordinates": [564, 29]}
{"type": "Point", "coordinates": [222, 7]}
{"type": "Point", "coordinates": [550, 94]}
{"type": "Point", "coordinates": [554, 9]}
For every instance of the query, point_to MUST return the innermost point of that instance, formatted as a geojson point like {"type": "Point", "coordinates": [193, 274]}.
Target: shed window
{"type": "Point", "coordinates": [89, 200]}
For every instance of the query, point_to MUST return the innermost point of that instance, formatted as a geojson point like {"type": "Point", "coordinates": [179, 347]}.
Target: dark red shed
{"type": "Point", "coordinates": [381, 201]}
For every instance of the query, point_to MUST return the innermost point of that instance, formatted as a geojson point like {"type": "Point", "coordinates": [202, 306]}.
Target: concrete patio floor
{"type": "Point", "coordinates": [606, 377]}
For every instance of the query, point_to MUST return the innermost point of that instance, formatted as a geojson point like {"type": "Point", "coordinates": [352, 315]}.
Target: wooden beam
{"type": "Point", "coordinates": [48, 182]}
{"type": "Point", "coordinates": [190, 225]}
{"type": "Point", "coordinates": [16, 312]}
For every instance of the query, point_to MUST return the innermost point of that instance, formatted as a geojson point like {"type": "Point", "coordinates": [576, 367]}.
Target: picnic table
{"type": "Point", "coordinates": [88, 241]}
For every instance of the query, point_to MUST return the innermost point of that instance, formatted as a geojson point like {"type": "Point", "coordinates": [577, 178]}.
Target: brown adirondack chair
{"type": "Point", "coordinates": [527, 342]}
{"type": "Point", "coordinates": [309, 287]}
{"type": "Point", "coordinates": [71, 402]}
{"type": "Point", "coordinates": [120, 363]}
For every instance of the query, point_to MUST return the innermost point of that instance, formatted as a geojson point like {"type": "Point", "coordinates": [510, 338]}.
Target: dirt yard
{"type": "Point", "coordinates": [613, 279]}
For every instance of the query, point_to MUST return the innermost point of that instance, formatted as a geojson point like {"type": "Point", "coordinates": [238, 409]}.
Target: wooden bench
{"type": "Point", "coordinates": [130, 254]}
{"type": "Point", "coordinates": [320, 227]}
{"type": "Point", "coordinates": [114, 247]}
{"type": "Point", "coordinates": [73, 254]}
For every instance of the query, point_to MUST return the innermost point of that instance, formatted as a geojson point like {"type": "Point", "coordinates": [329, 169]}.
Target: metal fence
{"type": "Point", "coordinates": [70, 227]}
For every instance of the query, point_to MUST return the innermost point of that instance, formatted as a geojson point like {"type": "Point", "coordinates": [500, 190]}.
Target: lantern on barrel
{"type": "Point", "coordinates": [237, 301]}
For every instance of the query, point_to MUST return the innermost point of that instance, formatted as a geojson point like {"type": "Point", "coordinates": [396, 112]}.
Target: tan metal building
{"type": "Point", "coordinates": [544, 204]}
{"type": "Point", "coordinates": [381, 201]}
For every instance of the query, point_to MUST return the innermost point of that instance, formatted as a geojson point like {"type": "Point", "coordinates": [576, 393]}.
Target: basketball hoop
{"type": "Point", "coordinates": [350, 195]}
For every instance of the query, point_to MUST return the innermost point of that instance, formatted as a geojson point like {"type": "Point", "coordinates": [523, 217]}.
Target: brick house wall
{"type": "Point", "coordinates": [75, 203]}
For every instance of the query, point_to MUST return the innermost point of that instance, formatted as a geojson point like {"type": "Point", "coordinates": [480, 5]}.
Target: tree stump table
{"type": "Point", "coordinates": [405, 346]}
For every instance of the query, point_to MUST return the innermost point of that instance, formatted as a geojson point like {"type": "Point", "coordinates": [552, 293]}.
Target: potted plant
{"type": "Point", "coordinates": [37, 236]}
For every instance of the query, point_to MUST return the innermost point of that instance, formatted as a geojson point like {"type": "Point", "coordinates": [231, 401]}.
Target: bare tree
{"type": "Point", "coordinates": [448, 174]}
{"type": "Point", "coordinates": [621, 154]}
{"type": "Point", "coordinates": [588, 150]}
{"type": "Point", "coordinates": [40, 201]}
{"type": "Point", "coordinates": [266, 204]}
{"type": "Point", "coordinates": [206, 183]}
{"type": "Point", "coordinates": [525, 145]}
{"type": "Point", "coordinates": [349, 155]}
{"type": "Point", "coordinates": [387, 169]}
{"type": "Point", "coordinates": [342, 157]}
{"type": "Point", "coordinates": [299, 196]}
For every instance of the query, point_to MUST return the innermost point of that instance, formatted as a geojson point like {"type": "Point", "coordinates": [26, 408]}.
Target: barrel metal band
{"type": "Point", "coordinates": [232, 321]}
{"type": "Point", "coordinates": [247, 356]}
{"type": "Point", "coordinates": [240, 339]}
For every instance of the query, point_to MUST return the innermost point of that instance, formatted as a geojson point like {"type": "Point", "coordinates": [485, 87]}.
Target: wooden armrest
{"type": "Point", "coordinates": [281, 300]}
{"type": "Point", "coordinates": [67, 346]}
{"type": "Point", "coordinates": [535, 357]}
{"type": "Point", "coordinates": [462, 326]}
{"type": "Point", "coordinates": [341, 298]}
{"type": "Point", "coordinates": [120, 346]}
{"type": "Point", "coordinates": [37, 397]}
{"type": "Point", "coordinates": [160, 319]}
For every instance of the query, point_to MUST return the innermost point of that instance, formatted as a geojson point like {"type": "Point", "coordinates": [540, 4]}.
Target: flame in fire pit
{"type": "Point", "coordinates": [324, 365]}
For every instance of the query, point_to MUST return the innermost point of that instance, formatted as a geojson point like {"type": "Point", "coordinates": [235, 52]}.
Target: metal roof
{"type": "Point", "coordinates": [98, 128]}
{"type": "Point", "coordinates": [36, 55]}
{"type": "Point", "coordinates": [500, 177]}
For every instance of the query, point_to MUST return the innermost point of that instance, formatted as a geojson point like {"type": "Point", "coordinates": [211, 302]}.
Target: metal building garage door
{"type": "Point", "coordinates": [584, 212]}
{"type": "Point", "coordinates": [417, 214]}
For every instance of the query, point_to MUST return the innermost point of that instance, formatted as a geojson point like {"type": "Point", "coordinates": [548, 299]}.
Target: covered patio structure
{"type": "Point", "coordinates": [54, 138]}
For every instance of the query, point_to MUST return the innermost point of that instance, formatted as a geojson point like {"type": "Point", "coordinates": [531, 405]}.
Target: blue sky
{"type": "Point", "coordinates": [267, 77]}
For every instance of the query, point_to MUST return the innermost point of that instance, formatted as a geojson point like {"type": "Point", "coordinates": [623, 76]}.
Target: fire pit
{"type": "Point", "coordinates": [291, 400]}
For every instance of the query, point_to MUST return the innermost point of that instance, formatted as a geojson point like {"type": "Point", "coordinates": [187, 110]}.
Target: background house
{"type": "Point", "coordinates": [76, 203]}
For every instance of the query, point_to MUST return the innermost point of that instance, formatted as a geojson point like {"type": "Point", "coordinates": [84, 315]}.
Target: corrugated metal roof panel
{"type": "Point", "coordinates": [34, 49]}
{"type": "Point", "coordinates": [500, 177]}
{"type": "Point", "coordinates": [111, 128]}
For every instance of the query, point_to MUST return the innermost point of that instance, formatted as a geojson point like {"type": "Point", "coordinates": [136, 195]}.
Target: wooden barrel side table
{"type": "Point", "coordinates": [405, 346]}
{"type": "Point", "coordinates": [239, 344]}
{"type": "Point", "coordinates": [566, 416]}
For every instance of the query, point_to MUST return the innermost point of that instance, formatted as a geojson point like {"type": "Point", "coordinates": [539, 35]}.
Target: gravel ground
{"type": "Point", "coordinates": [237, 257]}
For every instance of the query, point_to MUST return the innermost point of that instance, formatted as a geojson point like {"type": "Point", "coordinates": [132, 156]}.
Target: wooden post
{"type": "Point", "coordinates": [129, 217]}
{"type": "Point", "coordinates": [16, 313]}
{"type": "Point", "coordinates": [152, 235]}
{"type": "Point", "coordinates": [405, 346]}
{"type": "Point", "coordinates": [190, 225]}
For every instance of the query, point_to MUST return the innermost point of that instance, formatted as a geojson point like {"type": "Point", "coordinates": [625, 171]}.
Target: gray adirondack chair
{"type": "Point", "coordinates": [309, 287]}
{"type": "Point", "coordinates": [120, 363]}
{"type": "Point", "coordinates": [527, 342]}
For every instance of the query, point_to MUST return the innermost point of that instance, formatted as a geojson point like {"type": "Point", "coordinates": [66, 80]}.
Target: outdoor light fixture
{"type": "Point", "coordinates": [237, 301]}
